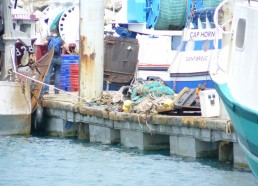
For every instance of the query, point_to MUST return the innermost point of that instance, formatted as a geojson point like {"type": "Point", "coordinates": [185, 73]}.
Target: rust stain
{"type": "Point", "coordinates": [93, 55]}
{"type": "Point", "coordinates": [86, 48]}
{"type": "Point", "coordinates": [83, 45]}
{"type": "Point", "coordinates": [86, 66]}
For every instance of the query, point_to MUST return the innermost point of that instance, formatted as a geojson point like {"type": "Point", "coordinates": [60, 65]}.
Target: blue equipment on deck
{"type": "Point", "coordinates": [166, 14]}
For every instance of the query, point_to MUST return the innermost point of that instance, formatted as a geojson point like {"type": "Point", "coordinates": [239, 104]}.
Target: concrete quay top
{"type": "Point", "coordinates": [68, 103]}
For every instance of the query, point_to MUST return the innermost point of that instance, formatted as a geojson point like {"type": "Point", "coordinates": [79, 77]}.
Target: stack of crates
{"type": "Point", "coordinates": [69, 73]}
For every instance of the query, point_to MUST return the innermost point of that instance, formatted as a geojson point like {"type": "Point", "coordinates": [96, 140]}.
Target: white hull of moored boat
{"type": "Point", "coordinates": [15, 108]}
{"type": "Point", "coordinates": [236, 79]}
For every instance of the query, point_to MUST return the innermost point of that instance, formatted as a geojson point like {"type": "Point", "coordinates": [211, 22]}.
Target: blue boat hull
{"type": "Point", "coordinates": [179, 85]}
{"type": "Point", "coordinates": [245, 122]}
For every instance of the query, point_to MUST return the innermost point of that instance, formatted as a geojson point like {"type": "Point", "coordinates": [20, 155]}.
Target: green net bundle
{"type": "Point", "coordinates": [154, 89]}
{"type": "Point", "coordinates": [172, 15]}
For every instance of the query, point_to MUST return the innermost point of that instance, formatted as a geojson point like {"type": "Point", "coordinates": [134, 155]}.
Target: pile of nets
{"type": "Point", "coordinates": [148, 96]}
{"type": "Point", "coordinates": [140, 97]}
{"type": "Point", "coordinates": [153, 89]}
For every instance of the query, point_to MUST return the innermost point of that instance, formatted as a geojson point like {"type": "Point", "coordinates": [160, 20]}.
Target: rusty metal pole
{"type": "Point", "coordinates": [91, 48]}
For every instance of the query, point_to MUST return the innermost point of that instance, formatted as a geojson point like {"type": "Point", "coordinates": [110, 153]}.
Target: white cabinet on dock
{"type": "Point", "coordinates": [210, 105]}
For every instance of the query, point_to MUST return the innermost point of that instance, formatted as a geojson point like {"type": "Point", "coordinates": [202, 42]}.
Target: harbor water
{"type": "Point", "coordinates": [34, 160]}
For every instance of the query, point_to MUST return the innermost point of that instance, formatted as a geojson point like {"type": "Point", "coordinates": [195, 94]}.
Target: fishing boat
{"type": "Point", "coordinates": [21, 75]}
{"type": "Point", "coordinates": [176, 40]}
{"type": "Point", "coordinates": [234, 73]}
{"type": "Point", "coordinates": [190, 65]}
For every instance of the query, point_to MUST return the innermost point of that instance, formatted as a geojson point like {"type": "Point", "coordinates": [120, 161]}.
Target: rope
{"type": "Point", "coordinates": [68, 93]}
{"type": "Point", "coordinates": [209, 64]}
{"type": "Point", "coordinates": [177, 56]}
{"type": "Point", "coordinates": [149, 127]}
{"type": "Point", "coordinates": [139, 122]}
{"type": "Point", "coordinates": [105, 99]}
{"type": "Point", "coordinates": [23, 91]}
{"type": "Point", "coordinates": [228, 127]}
{"type": "Point", "coordinates": [49, 86]}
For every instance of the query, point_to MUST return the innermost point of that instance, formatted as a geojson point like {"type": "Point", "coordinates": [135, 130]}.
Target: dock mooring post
{"type": "Point", "coordinates": [91, 48]}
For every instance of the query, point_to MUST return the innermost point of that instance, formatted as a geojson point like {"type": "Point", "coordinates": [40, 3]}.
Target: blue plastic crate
{"type": "Point", "coordinates": [65, 74]}
{"type": "Point", "coordinates": [69, 59]}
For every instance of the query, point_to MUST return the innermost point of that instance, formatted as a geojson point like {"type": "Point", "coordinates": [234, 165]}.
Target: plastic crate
{"type": "Point", "coordinates": [69, 73]}
{"type": "Point", "coordinates": [70, 58]}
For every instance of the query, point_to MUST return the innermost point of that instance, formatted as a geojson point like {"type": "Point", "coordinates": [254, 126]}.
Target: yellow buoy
{"type": "Point", "coordinates": [168, 102]}
{"type": "Point", "coordinates": [127, 105]}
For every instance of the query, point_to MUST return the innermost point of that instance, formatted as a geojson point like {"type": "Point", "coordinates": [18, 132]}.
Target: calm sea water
{"type": "Point", "coordinates": [53, 161]}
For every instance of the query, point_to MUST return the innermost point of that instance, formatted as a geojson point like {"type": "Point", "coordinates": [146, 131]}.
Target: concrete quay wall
{"type": "Point", "coordinates": [190, 136]}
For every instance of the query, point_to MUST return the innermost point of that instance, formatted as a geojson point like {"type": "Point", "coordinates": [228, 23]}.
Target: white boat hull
{"type": "Point", "coordinates": [15, 108]}
{"type": "Point", "coordinates": [235, 75]}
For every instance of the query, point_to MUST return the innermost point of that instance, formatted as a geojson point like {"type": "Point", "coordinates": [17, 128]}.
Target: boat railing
{"type": "Point", "coordinates": [219, 26]}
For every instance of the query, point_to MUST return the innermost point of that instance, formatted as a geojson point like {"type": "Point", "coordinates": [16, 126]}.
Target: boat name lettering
{"type": "Point", "coordinates": [21, 16]}
{"type": "Point", "coordinates": [202, 34]}
{"type": "Point", "coordinates": [197, 58]}
{"type": "Point", "coordinates": [21, 50]}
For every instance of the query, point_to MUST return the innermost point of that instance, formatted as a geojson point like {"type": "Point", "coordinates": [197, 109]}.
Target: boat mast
{"type": "Point", "coordinates": [9, 41]}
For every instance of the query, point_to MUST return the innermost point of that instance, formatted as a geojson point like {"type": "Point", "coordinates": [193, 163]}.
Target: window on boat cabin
{"type": "Point", "coordinates": [240, 34]}
{"type": "Point", "coordinates": [175, 42]}
{"type": "Point", "coordinates": [25, 28]}
{"type": "Point", "coordinates": [189, 46]}
{"type": "Point", "coordinates": [206, 45]}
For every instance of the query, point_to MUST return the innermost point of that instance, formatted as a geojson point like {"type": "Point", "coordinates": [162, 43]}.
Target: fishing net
{"type": "Point", "coordinates": [172, 15]}
{"type": "Point", "coordinates": [153, 89]}
{"type": "Point", "coordinates": [211, 3]}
